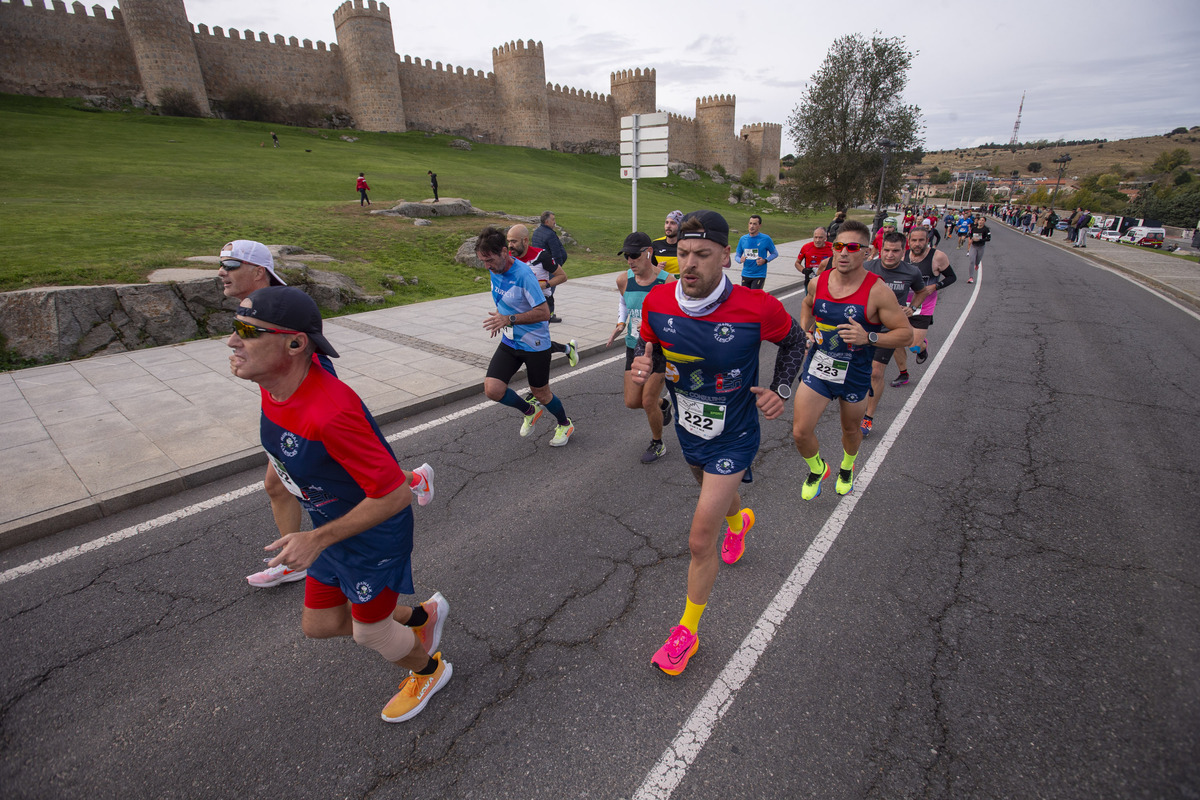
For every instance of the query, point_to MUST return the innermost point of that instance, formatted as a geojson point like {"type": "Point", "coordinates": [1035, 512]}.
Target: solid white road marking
{"type": "Point", "coordinates": [673, 764]}
{"type": "Point", "coordinates": [213, 502]}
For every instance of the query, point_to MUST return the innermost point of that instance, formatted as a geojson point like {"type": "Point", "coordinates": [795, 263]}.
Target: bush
{"type": "Point", "coordinates": [720, 170]}
{"type": "Point", "coordinates": [247, 103]}
{"type": "Point", "coordinates": [174, 102]}
{"type": "Point", "coordinates": [749, 178]}
{"type": "Point", "coordinates": [1035, 166]}
{"type": "Point", "coordinates": [738, 192]}
{"type": "Point", "coordinates": [768, 182]}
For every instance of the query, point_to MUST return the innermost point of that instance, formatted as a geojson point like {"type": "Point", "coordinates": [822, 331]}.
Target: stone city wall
{"type": "Point", "coordinates": [56, 50]}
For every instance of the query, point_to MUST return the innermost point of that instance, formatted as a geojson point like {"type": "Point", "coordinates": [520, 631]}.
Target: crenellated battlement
{"type": "Point", "coordinates": [578, 94]}
{"type": "Point", "coordinates": [60, 7]}
{"type": "Point", "coordinates": [449, 70]}
{"type": "Point", "coordinates": [518, 49]}
{"type": "Point", "coordinates": [673, 117]}
{"type": "Point", "coordinates": [626, 76]}
{"type": "Point", "coordinates": [203, 34]}
{"type": "Point", "coordinates": [760, 126]}
{"type": "Point", "coordinates": [357, 8]}
{"type": "Point", "coordinates": [716, 101]}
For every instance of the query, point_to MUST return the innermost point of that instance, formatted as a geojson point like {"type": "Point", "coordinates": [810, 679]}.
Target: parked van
{"type": "Point", "coordinates": [1144, 236]}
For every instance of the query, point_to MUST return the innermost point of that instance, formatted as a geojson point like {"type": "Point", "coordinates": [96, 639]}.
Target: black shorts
{"type": "Point", "coordinates": [753, 283]}
{"type": "Point", "coordinates": [884, 354]}
{"type": "Point", "coordinates": [658, 362]}
{"type": "Point", "coordinates": [921, 321]}
{"type": "Point", "coordinates": [507, 360]}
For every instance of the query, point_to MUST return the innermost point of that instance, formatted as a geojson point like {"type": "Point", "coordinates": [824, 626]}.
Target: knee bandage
{"type": "Point", "coordinates": [387, 637]}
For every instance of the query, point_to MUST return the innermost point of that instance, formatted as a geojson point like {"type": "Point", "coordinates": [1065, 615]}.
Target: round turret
{"type": "Point", "coordinates": [161, 37]}
{"type": "Point", "coordinates": [714, 122]}
{"type": "Point", "coordinates": [520, 71]}
{"type": "Point", "coordinates": [368, 51]}
{"type": "Point", "coordinates": [634, 91]}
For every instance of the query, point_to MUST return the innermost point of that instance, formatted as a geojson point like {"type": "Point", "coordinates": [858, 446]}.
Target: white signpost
{"type": "Point", "coordinates": [643, 150]}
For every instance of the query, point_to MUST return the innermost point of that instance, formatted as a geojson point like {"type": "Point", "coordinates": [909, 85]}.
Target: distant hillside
{"type": "Point", "coordinates": [1131, 155]}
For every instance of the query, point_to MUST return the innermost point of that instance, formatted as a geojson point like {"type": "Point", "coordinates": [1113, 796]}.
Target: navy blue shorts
{"type": "Point", "coordinates": [376, 559]}
{"type": "Point", "coordinates": [853, 390]}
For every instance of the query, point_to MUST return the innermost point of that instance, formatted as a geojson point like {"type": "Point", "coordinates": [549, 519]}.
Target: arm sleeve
{"type": "Point", "coordinates": [622, 309]}
{"type": "Point", "coordinates": [790, 357]}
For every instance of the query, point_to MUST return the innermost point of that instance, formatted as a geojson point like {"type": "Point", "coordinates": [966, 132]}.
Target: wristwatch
{"type": "Point", "coordinates": [783, 390]}
{"type": "Point", "coordinates": [873, 337]}
{"type": "Point", "coordinates": [512, 319]}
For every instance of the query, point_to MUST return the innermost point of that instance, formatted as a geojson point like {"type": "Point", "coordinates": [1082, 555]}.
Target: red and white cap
{"type": "Point", "coordinates": [255, 253]}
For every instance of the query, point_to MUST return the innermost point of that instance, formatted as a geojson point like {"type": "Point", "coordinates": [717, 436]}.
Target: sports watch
{"type": "Point", "coordinates": [512, 319]}
{"type": "Point", "coordinates": [873, 337]}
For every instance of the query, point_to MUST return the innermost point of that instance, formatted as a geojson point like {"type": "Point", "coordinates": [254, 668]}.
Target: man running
{"type": "Point", "coordinates": [812, 254]}
{"type": "Point", "coordinates": [844, 311]}
{"type": "Point", "coordinates": [754, 251]}
{"type": "Point", "coordinates": [664, 246]}
{"type": "Point", "coordinates": [329, 452]}
{"type": "Point", "coordinates": [902, 278]}
{"type": "Point", "coordinates": [642, 275]}
{"type": "Point", "coordinates": [931, 262]}
{"type": "Point", "coordinates": [520, 317]}
{"type": "Point", "coordinates": [963, 228]}
{"type": "Point", "coordinates": [710, 331]}
{"type": "Point", "coordinates": [548, 274]}
{"type": "Point", "coordinates": [980, 235]}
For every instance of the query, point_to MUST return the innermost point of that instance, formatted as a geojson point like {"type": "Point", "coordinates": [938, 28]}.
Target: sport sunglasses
{"type": "Point", "coordinates": [849, 247]}
{"type": "Point", "coordinates": [245, 330]}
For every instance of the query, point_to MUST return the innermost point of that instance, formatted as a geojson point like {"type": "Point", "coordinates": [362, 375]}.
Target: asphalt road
{"type": "Point", "coordinates": [1010, 608]}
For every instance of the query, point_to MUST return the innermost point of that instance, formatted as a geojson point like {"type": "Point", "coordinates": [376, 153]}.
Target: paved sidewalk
{"type": "Point", "coordinates": [86, 439]}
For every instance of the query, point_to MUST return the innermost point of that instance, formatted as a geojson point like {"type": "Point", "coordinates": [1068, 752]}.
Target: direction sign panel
{"type": "Point", "coordinates": [659, 132]}
{"type": "Point", "coordinates": [645, 172]}
{"type": "Point", "coordinates": [645, 120]}
{"type": "Point", "coordinates": [652, 146]}
{"type": "Point", "coordinates": [645, 160]}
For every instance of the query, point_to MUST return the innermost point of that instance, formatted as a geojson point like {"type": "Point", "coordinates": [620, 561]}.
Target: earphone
{"type": "Point", "coordinates": [294, 344]}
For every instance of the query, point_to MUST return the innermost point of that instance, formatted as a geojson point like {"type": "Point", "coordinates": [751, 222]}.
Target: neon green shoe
{"type": "Point", "coordinates": [572, 353]}
{"type": "Point", "coordinates": [812, 484]}
{"type": "Point", "coordinates": [845, 481]}
{"type": "Point", "coordinates": [531, 419]}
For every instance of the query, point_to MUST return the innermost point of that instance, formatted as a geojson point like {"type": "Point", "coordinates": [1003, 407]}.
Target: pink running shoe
{"type": "Point", "coordinates": [423, 491]}
{"type": "Point", "coordinates": [735, 543]}
{"type": "Point", "coordinates": [673, 656]}
{"type": "Point", "coordinates": [430, 634]}
{"type": "Point", "coordinates": [273, 576]}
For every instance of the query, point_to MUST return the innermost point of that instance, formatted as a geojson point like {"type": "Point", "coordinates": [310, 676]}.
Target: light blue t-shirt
{"type": "Point", "coordinates": [515, 292]}
{"type": "Point", "coordinates": [754, 248]}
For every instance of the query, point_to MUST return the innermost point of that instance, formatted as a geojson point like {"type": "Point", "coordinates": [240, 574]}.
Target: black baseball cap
{"type": "Point", "coordinates": [716, 229]}
{"type": "Point", "coordinates": [290, 308]}
{"type": "Point", "coordinates": [635, 243]}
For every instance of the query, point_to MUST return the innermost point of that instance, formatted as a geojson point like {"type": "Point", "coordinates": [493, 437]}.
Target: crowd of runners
{"type": "Point", "coordinates": [692, 339]}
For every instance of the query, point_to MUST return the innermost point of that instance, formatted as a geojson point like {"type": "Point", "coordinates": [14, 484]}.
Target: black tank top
{"type": "Point", "coordinates": [925, 264]}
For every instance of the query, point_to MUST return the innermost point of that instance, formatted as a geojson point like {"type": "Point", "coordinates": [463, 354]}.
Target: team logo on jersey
{"type": "Point", "coordinates": [672, 373]}
{"type": "Point", "coordinates": [729, 381]}
{"type": "Point", "coordinates": [671, 355]}
{"type": "Point", "coordinates": [670, 326]}
{"type": "Point", "coordinates": [289, 443]}
{"type": "Point", "coordinates": [724, 466]}
{"type": "Point", "coordinates": [851, 313]}
{"type": "Point", "coordinates": [723, 333]}
{"type": "Point", "coordinates": [697, 380]}
{"type": "Point", "coordinates": [363, 590]}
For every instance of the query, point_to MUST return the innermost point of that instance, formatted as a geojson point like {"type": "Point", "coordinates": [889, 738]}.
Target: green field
{"type": "Point", "coordinates": [106, 197]}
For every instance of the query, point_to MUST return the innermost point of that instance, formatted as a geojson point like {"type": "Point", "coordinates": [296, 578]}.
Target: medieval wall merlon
{"type": "Point", "coordinates": [469, 73]}
{"type": "Point", "coordinates": [633, 75]}
{"type": "Point", "coordinates": [517, 49]}
{"type": "Point", "coordinates": [578, 94]}
{"type": "Point", "coordinates": [60, 7]}
{"type": "Point", "coordinates": [715, 101]}
{"type": "Point", "coordinates": [203, 34]}
{"type": "Point", "coordinates": [357, 8]}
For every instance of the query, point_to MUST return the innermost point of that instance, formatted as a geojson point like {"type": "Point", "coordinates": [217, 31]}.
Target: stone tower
{"type": "Point", "coordinates": [715, 132]}
{"type": "Point", "coordinates": [161, 37]}
{"type": "Point", "coordinates": [634, 91]}
{"type": "Point", "coordinates": [765, 140]}
{"type": "Point", "coordinates": [364, 34]}
{"type": "Point", "coordinates": [520, 71]}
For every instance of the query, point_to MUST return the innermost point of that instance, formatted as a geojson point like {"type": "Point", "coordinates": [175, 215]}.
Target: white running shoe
{"type": "Point", "coordinates": [424, 489]}
{"type": "Point", "coordinates": [273, 576]}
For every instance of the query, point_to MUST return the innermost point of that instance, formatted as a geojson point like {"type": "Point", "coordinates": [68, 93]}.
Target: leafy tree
{"type": "Point", "coordinates": [1182, 178]}
{"type": "Point", "coordinates": [1035, 166]}
{"type": "Point", "coordinates": [1180, 129]}
{"type": "Point", "coordinates": [941, 176]}
{"type": "Point", "coordinates": [852, 102]}
{"type": "Point", "coordinates": [1170, 159]}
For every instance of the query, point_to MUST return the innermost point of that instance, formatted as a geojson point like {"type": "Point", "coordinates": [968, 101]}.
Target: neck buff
{"type": "Point", "coordinates": [703, 306]}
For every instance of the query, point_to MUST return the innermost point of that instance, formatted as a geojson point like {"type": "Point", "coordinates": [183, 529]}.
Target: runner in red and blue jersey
{"type": "Point", "coordinates": [329, 453]}
{"type": "Point", "coordinates": [844, 311]}
{"type": "Point", "coordinates": [710, 331]}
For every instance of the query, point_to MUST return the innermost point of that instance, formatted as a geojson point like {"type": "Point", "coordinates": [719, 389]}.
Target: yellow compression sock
{"type": "Point", "coordinates": [815, 464]}
{"type": "Point", "coordinates": [735, 522]}
{"type": "Point", "coordinates": [691, 615]}
{"type": "Point", "coordinates": [848, 460]}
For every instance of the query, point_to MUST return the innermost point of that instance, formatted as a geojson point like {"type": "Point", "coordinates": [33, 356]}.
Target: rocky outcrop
{"type": "Point", "coordinates": [466, 254]}
{"type": "Point", "coordinates": [449, 207]}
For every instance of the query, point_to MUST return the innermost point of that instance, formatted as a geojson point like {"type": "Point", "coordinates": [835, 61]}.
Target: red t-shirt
{"type": "Point", "coordinates": [811, 256]}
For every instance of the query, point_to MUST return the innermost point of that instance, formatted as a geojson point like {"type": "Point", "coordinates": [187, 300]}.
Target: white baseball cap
{"type": "Point", "coordinates": [255, 253]}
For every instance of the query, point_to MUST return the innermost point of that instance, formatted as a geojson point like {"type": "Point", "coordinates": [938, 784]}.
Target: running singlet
{"type": "Point", "coordinates": [926, 267]}
{"type": "Point", "coordinates": [830, 359]}
{"type": "Point", "coordinates": [712, 362]}
{"type": "Point", "coordinates": [635, 293]}
{"type": "Point", "coordinates": [667, 254]}
{"type": "Point", "coordinates": [330, 454]}
{"type": "Point", "coordinates": [515, 292]}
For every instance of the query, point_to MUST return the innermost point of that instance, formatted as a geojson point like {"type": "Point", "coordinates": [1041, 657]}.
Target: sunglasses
{"type": "Point", "coordinates": [230, 264]}
{"type": "Point", "coordinates": [245, 330]}
{"type": "Point", "coordinates": [849, 247]}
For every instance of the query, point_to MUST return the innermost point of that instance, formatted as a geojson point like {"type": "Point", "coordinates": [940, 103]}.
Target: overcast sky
{"type": "Point", "coordinates": [1117, 70]}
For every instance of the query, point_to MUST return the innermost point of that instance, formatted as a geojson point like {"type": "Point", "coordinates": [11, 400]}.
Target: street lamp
{"type": "Point", "coordinates": [880, 212]}
{"type": "Point", "coordinates": [1062, 162]}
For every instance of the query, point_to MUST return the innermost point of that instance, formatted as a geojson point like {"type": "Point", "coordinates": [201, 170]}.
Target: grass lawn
{"type": "Point", "coordinates": [107, 197]}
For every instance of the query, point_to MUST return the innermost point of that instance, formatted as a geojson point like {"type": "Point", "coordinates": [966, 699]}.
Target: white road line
{"type": "Point", "coordinates": [213, 502]}
{"type": "Point", "coordinates": [672, 765]}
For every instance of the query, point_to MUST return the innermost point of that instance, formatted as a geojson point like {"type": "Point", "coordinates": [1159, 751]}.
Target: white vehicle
{"type": "Point", "coordinates": [1146, 237]}
{"type": "Point", "coordinates": [1110, 236]}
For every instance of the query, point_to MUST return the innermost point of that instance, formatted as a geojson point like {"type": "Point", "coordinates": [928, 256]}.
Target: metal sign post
{"type": "Point", "coordinates": [643, 150]}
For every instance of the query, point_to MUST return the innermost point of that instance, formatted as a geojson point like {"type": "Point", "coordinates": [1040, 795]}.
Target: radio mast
{"type": "Point", "coordinates": [1017, 125]}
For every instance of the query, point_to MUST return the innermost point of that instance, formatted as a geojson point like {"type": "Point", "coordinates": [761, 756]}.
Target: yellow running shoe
{"type": "Point", "coordinates": [812, 484]}
{"type": "Point", "coordinates": [415, 692]}
{"type": "Point", "coordinates": [845, 481]}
